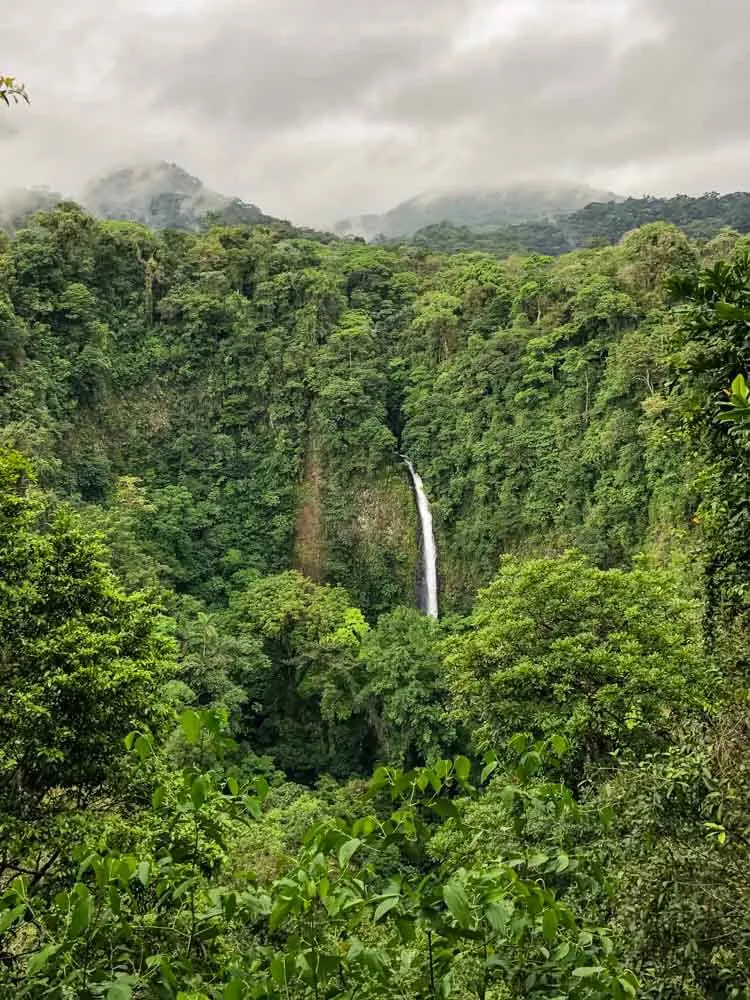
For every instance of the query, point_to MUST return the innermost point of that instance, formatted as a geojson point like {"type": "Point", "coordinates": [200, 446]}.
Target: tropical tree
{"type": "Point", "coordinates": [610, 659]}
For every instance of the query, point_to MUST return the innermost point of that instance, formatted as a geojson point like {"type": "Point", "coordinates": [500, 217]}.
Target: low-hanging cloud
{"type": "Point", "coordinates": [316, 109]}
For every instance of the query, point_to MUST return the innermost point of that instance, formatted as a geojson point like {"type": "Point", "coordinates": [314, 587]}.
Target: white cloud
{"type": "Point", "coordinates": [320, 108]}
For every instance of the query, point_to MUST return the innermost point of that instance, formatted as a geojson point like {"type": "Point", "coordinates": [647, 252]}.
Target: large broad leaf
{"type": "Point", "coordinates": [489, 769]}
{"type": "Point", "coordinates": [549, 926]}
{"type": "Point", "coordinates": [740, 388]}
{"type": "Point", "coordinates": [559, 744]}
{"type": "Point", "coordinates": [40, 959]}
{"type": "Point", "coordinates": [191, 725]}
{"type": "Point", "coordinates": [119, 991]}
{"type": "Point", "coordinates": [457, 902]}
{"type": "Point", "coordinates": [10, 916]}
{"type": "Point", "coordinates": [463, 768]}
{"type": "Point", "coordinates": [725, 310]}
{"type": "Point", "coordinates": [199, 791]}
{"type": "Point", "coordinates": [498, 915]}
{"type": "Point", "coordinates": [82, 914]}
{"type": "Point", "coordinates": [385, 906]}
{"type": "Point", "coordinates": [346, 851]}
{"type": "Point", "coordinates": [234, 990]}
{"type": "Point", "coordinates": [445, 808]}
{"type": "Point", "coordinates": [587, 971]}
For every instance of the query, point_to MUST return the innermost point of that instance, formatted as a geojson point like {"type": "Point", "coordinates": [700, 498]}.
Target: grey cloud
{"type": "Point", "coordinates": [322, 108]}
{"type": "Point", "coordinates": [274, 66]}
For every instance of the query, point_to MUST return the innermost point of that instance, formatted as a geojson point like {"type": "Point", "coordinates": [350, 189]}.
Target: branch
{"type": "Point", "coordinates": [12, 90]}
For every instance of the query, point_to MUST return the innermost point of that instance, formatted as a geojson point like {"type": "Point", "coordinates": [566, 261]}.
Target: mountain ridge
{"type": "Point", "coordinates": [504, 205]}
{"type": "Point", "coordinates": [158, 194]}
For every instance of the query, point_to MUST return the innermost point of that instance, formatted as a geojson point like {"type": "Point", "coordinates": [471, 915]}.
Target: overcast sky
{"type": "Point", "coordinates": [316, 109]}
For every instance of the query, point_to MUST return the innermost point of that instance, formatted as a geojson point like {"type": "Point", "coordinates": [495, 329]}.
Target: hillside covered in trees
{"type": "Point", "coordinates": [236, 760]}
{"type": "Point", "coordinates": [477, 208]}
{"type": "Point", "coordinates": [157, 194]}
{"type": "Point", "coordinates": [600, 223]}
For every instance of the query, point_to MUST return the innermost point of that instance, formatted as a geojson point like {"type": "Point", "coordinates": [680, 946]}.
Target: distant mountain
{"type": "Point", "coordinates": [159, 195]}
{"type": "Point", "coordinates": [498, 207]}
{"type": "Point", "coordinates": [164, 196]}
{"type": "Point", "coordinates": [595, 225]}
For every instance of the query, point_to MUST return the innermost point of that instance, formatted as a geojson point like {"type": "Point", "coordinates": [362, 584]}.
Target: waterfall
{"type": "Point", "coordinates": [429, 551]}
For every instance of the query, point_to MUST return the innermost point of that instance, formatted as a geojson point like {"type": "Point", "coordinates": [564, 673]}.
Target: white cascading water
{"type": "Point", "coordinates": [429, 551]}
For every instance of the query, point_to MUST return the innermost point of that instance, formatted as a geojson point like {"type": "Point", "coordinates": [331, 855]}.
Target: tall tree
{"type": "Point", "coordinates": [80, 660]}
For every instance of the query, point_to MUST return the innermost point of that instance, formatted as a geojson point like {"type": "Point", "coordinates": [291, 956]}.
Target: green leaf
{"type": "Point", "coordinates": [143, 747]}
{"type": "Point", "coordinates": [606, 815]}
{"type": "Point", "coordinates": [489, 769]}
{"type": "Point", "coordinates": [549, 926]}
{"type": "Point", "coordinates": [62, 902]}
{"type": "Point", "coordinates": [725, 310]}
{"type": "Point", "coordinates": [191, 725]}
{"type": "Point", "coordinates": [380, 778]}
{"type": "Point", "coordinates": [587, 971]}
{"type": "Point", "coordinates": [278, 970]}
{"type": "Point", "coordinates": [462, 767]}
{"type": "Point", "coordinates": [87, 863]}
{"type": "Point", "coordinates": [457, 902]}
{"type": "Point", "coordinates": [167, 973]}
{"type": "Point", "coordinates": [530, 763]}
{"type": "Point", "coordinates": [563, 862]}
{"type": "Point", "coordinates": [119, 991]}
{"type": "Point", "coordinates": [40, 959]}
{"type": "Point", "coordinates": [559, 744]}
{"type": "Point", "coordinates": [347, 850]}
{"type": "Point", "coordinates": [280, 910]}
{"type": "Point", "coordinates": [442, 769]}
{"type": "Point", "coordinates": [446, 986]}
{"type": "Point", "coordinates": [629, 983]}
{"type": "Point", "coordinates": [385, 907]}
{"type": "Point", "coordinates": [234, 990]}
{"type": "Point", "coordinates": [10, 916]}
{"type": "Point", "coordinates": [199, 790]}
{"type": "Point", "coordinates": [355, 949]}
{"type": "Point", "coordinates": [519, 743]}
{"type": "Point", "coordinates": [445, 808]}
{"type": "Point", "coordinates": [740, 388]}
{"type": "Point", "coordinates": [82, 914]}
{"type": "Point", "coordinates": [233, 785]}
{"type": "Point", "coordinates": [261, 788]}
{"type": "Point", "coordinates": [498, 915]}
{"type": "Point", "coordinates": [143, 871]}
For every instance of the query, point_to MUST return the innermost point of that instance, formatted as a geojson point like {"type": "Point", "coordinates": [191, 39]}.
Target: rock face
{"type": "Point", "coordinates": [495, 207]}
{"type": "Point", "coordinates": [164, 196]}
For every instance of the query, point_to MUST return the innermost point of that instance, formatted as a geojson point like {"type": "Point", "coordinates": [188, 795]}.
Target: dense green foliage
{"type": "Point", "coordinates": [235, 760]}
{"type": "Point", "coordinates": [609, 659]}
{"type": "Point", "coordinates": [80, 658]}
{"type": "Point", "coordinates": [597, 224]}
